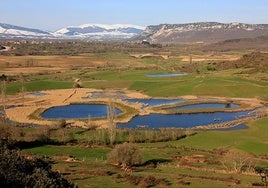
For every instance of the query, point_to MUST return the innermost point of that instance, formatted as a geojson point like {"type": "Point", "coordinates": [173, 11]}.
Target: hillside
{"type": "Point", "coordinates": [11, 31]}
{"type": "Point", "coordinates": [256, 43]}
{"type": "Point", "coordinates": [202, 32]}
{"type": "Point", "coordinates": [255, 62]}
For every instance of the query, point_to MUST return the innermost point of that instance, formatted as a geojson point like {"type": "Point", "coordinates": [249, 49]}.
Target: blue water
{"type": "Point", "coordinates": [166, 75]}
{"type": "Point", "coordinates": [155, 102]}
{"type": "Point", "coordinates": [204, 105]}
{"type": "Point", "coordinates": [238, 127]}
{"type": "Point", "coordinates": [37, 94]}
{"type": "Point", "coordinates": [101, 94]}
{"type": "Point", "coordinates": [181, 120]}
{"type": "Point", "coordinates": [74, 111]}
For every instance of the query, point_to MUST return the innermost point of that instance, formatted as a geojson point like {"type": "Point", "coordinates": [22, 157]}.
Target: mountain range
{"type": "Point", "coordinates": [200, 32]}
{"type": "Point", "coordinates": [86, 31]}
{"type": "Point", "coordinates": [10, 31]}
{"type": "Point", "coordinates": [100, 31]}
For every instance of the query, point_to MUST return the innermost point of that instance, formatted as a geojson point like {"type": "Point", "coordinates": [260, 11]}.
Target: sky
{"type": "Point", "coordinates": [52, 15]}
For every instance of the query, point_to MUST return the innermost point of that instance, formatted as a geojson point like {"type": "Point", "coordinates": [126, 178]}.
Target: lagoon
{"type": "Point", "coordinates": [77, 111]}
{"type": "Point", "coordinates": [181, 120]}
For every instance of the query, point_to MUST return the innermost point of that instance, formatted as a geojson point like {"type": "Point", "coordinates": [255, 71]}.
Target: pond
{"type": "Point", "coordinates": [154, 102]}
{"type": "Point", "coordinates": [37, 94]}
{"type": "Point", "coordinates": [75, 111]}
{"type": "Point", "coordinates": [181, 120]}
{"type": "Point", "coordinates": [101, 94]}
{"type": "Point", "coordinates": [166, 74]}
{"type": "Point", "coordinates": [205, 105]}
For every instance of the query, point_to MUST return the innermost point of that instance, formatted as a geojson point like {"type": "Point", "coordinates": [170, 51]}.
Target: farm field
{"type": "Point", "coordinates": [170, 158]}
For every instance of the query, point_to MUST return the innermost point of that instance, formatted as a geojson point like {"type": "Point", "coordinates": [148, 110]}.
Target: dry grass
{"type": "Point", "coordinates": [210, 57]}
{"type": "Point", "coordinates": [12, 65]}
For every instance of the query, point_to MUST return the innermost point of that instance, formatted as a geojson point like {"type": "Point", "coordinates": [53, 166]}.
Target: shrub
{"type": "Point", "coordinates": [151, 181]}
{"type": "Point", "coordinates": [263, 173]}
{"type": "Point", "coordinates": [61, 123]}
{"type": "Point", "coordinates": [211, 68]}
{"type": "Point", "coordinates": [125, 154]}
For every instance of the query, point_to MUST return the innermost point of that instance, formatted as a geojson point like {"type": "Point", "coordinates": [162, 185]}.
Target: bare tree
{"type": "Point", "coordinates": [112, 125]}
{"type": "Point", "coordinates": [237, 161]}
{"type": "Point", "coordinates": [22, 89]}
{"type": "Point", "coordinates": [3, 95]}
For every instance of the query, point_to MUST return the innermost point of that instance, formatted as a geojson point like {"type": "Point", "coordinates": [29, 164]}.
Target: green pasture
{"type": "Point", "coordinates": [251, 140]}
{"type": "Point", "coordinates": [76, 151]}
{"type": "Point", "coordinates": [121, 70]}
{"type": "Point", "coordinates": [16, 87]}
{"type": "Point", "coordinates": [92, 168]}
{"type": "Point", "coordinates": [93, 159]}
{"type": "Point", "coordinates": [192, 84]}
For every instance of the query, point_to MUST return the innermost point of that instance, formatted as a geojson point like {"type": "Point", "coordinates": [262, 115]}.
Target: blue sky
{"type": "Point", "coordinates": [55, 14]}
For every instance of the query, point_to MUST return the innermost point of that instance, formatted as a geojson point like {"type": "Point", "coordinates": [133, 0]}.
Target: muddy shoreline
{"type": "Point", "coordinates": [20, 109]}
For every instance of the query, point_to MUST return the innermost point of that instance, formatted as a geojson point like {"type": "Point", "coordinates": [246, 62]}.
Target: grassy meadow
{"type": "Point", "coordinates": [167, 163]}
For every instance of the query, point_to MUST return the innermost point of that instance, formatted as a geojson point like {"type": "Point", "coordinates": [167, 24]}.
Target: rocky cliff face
{"type": "Point", "coordinates": [201, 32]}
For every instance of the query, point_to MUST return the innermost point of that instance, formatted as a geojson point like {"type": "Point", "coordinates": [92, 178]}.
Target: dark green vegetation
{"type": "Point", "coordinates": [263, 172]}
{"type": "Point", "coordinates": [18, 169]}
{"type": "Point", "coordinates": [174, 158]}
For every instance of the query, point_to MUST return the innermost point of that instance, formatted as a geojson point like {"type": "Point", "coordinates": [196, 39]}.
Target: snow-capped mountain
{"type": "Point", "coordinates": [164, 33]}
{"type": "Point", "coordinates": [11, 31]}
{"type": "Point", "coordinates": [86, 31]}
{"type": "Point", "coordinates": [100, 31]}
{"type": "Point", "coordinates": [201, 32]}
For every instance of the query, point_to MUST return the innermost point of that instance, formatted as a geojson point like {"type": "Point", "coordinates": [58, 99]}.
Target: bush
{"type": "Point", "coordinates": [263, 173]}
{"type": "Point", "coordinates": [125, 155]}
{"type": "Point", "coordinates": [21, 170]}
{"type": "Point", "coordinates": [211, 68]}
{"type": "Point", "coordinates": [60, 124]}
{"type": "Point", "coordinates": [151, 181]}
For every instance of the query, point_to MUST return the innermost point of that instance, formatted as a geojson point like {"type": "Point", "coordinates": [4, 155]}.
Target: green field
{"type": "Point", "coordinates": [171, 163]}
{"type": "Point", "coordinates": [192, 84]}
{"type": "Point", "coordinates": [252, 141]}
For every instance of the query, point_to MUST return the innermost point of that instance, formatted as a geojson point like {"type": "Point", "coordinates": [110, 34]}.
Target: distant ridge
{"type": "Point", "coordinates": [201, 32]}
{"type": "Point", "coordinates": [100, 31]}
{"type": "Point", "coordinates": [86, 31]}
{"type": "Point", "coordinates": [11, 31]}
